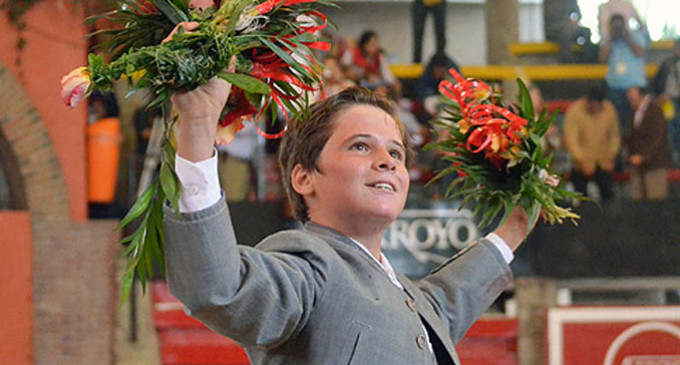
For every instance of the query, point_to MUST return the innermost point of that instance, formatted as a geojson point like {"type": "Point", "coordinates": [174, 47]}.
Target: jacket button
{"type": "Point", "coordinates": [421, 342]}
{"type": "Point", "coordinates": [411, 304]}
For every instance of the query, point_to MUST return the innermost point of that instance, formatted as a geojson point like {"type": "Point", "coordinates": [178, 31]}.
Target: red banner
{"type": "Point", "coordinates": [640, 335]}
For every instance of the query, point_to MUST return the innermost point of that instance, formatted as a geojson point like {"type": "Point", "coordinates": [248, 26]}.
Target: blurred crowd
{"type": "Point", "coordinates": [624, 130]}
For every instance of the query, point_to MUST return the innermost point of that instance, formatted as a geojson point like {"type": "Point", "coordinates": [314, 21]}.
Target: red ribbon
{"type": "Point", "coordinates": [268, 5]}
{"type": "Point", "coordinates": [145, 7]}
{"type": "Point", "coordinates": [270, 68]}
{"type": "Point", "coordinates": [492, 127]}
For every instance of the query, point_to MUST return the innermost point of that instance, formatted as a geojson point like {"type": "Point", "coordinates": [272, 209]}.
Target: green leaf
{"type": "Point", "coordinates": [245, 82]}
{"type": "Point", "coordinates": [126, 285]}
{"type": "Point", "coordinates": [169, 183]}
{"type": "Point", "coordinates": [172, 11]}
{"type": "Point", "coordinates": [506, 213]}
{"type": "Point", "coordinates": [533, 216]}
{"type": "Point", "coordinates": [287, 58]}
{"type": "Point", "coordinates": [526, 105]}
{"type": "Point", "coordinates": [238, 8]}
{"type": "Point", "coordinates": [96, 61]}
{"type": "Point", "coordinates": [140, 206]}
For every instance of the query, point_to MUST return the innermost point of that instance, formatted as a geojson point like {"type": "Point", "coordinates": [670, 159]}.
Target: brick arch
{"type": "Point", "coordinates": [46, 197]}
{"type": "Point", "coordinates": [34, 158]}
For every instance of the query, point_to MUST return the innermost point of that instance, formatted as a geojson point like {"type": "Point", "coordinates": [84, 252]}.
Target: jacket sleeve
{"type": "Point", "coordinates": [464, 287]}
{"type": "Point", "coordinates": [256, 298]}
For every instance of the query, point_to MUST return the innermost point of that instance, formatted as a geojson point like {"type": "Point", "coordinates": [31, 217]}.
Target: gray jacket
{"type": "Point", "coordinates": [312, 296]}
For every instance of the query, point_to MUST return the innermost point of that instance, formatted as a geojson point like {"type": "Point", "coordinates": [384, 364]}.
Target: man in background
{"type": "Point", "coordinates": [667, 87]}
{"type": "Point", "coordinates": [592, 137]}
{"type": "Point", "coordinates": [561, 22]}
{"type": "Point", "coordinates": [419, 13]}
{"type": "Point", "coordinates": [649, 155]}
{"type": "Point", "coordinates": [624, 53]}
{"type": "Point", "coordinates": [622, 7]}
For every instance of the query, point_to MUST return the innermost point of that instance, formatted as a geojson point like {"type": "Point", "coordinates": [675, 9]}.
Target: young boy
{"type": "Point", "coordinates": [324, 294]}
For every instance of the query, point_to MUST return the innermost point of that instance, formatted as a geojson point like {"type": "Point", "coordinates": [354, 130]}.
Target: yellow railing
{"type": "Point", "coordinates": [519, 49]}
{"type": "Point", "coordinates": [533, 72]}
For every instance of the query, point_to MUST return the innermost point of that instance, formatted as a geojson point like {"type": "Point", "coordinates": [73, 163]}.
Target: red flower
{"type": "Point", "coordinates": [492, 129]}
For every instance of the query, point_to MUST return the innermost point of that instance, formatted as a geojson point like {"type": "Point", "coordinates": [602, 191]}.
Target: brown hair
{"type": "Point", "coordinates": [305, 139]}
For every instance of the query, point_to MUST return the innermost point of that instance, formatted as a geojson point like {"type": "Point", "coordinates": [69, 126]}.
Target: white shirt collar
{"type": "Point", "coordinates": [383, 263]}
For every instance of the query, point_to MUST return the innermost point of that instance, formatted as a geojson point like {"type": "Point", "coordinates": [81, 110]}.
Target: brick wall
{"type": "Point", "coordinates": [73, 263]}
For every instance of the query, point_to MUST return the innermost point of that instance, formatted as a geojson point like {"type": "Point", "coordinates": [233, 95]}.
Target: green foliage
{"type": "Point", "coordinates": [138, 51]}
{"type": "Point", "coordinates": [521, 181]}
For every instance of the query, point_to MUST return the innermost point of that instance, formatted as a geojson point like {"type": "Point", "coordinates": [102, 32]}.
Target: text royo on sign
{"type": "Point", "coordinates": [431, 235]}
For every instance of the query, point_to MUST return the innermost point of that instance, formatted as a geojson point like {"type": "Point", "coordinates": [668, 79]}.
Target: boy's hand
{"type": "Point", "coordinates": [198, 111]}
{"type": "Point", "coordinates": [514, 230]}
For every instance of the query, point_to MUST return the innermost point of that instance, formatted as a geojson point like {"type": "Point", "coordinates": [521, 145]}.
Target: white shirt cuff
{"type": "Point", "coordinates": [503, 247]}
{"type": "Point", "coordinates": [200, 183]}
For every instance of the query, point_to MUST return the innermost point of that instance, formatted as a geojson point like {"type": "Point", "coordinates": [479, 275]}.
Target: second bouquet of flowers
{"type": "Point", "coordinates": [167, 46]}
{"type": "Point", "coordinates": [496, 152]}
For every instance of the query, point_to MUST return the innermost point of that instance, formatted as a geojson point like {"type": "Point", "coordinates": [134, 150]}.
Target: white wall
{"type": "Point", "coordinates": [466, 27]}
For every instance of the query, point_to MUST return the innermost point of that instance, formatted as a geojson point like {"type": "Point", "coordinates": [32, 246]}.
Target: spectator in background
{"type": "Point", "coordinates": [427, 91]}
{"type": "Point", "coordinates": [367, 63]}
{"type": "Point", "coordinates": [419, 13]}
{"type": "Point", "coordinates": [235, 163]}
{"type": "Point", "coordinates": [592, 137]}
{"type": "Point", "coordinates": [102, 105]}
{"type": "Point", "coordinates": [666, 86]}
{"type": "Point", "coordinates": [649, 155]}
{"type": "Point", "coordinates": [402, 110]}
{"type": "Point", "coordinates": [621, 7]}
{"type": "Point", "coordinates": [624, 53]}
{"type": "Point", "coordinates": [334, 79]}
{"type": "Point", "coordinates": [561, 20]}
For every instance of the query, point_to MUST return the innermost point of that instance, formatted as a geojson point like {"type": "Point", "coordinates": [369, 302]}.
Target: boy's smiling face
{"type": "Point", "coordinates": [363, 180]}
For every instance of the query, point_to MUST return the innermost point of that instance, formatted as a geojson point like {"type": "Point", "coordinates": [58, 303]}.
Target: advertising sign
{"type": "Point", "coordinates": [422, 239]}
{"type": "Point", "coordinates": [640, 335]}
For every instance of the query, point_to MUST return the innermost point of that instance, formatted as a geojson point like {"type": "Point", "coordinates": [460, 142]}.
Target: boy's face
{"type": "Point", "coordinates": [363, 177]}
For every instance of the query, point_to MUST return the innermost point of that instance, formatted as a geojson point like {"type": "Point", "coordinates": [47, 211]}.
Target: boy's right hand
{"type": "Point", "coordinates": [198, 111]}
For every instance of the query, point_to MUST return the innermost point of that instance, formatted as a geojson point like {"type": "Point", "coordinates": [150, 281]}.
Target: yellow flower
{"type": "Point", "coordinates": [464, 125]}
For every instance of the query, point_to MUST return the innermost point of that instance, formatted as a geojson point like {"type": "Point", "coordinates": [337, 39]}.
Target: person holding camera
{"type": "Point", "coordinates": [624, 53]}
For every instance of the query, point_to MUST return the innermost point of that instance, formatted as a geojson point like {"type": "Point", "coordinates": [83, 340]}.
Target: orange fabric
{"type": "Point", "coordinates": [103, 153]}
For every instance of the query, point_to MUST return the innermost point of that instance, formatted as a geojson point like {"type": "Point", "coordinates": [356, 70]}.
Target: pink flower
{"type": "Point", "coordinates": [76, 86]}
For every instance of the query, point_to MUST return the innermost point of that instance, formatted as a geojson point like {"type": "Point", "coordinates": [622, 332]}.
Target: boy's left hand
{"type": "Point", "coordinates": [514, 230]}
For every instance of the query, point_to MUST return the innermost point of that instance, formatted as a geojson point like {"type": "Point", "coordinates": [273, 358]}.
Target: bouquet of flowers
{"type": "Point", "coordinates": [496, 152]}
{"type": "Point", "coordinates": [166, 46]}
